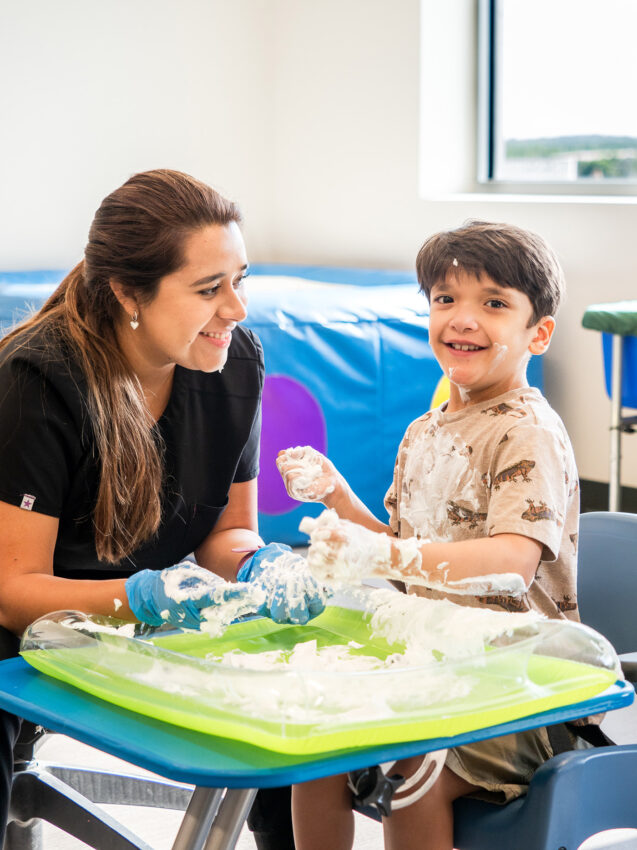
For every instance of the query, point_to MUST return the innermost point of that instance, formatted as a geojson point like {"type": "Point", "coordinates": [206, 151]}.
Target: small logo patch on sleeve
{"type": "Point", "coordinates": [27, 502]}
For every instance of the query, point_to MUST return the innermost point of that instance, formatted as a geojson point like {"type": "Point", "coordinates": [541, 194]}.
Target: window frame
{"type": "Point", "coordinates": [488, 53]}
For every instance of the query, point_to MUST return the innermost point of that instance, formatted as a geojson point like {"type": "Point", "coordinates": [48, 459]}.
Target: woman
{"type": "Point", "coordinates": [129, 427]}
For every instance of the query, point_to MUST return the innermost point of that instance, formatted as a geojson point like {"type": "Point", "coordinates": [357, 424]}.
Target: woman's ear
{"type": "Point", "coordinates": [127, 302]}
{"type": "Point", "coordinates": [542, 335]}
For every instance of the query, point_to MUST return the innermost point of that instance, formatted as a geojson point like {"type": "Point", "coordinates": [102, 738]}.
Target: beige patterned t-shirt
{"type": "Point", "coordinates": [502, 466]}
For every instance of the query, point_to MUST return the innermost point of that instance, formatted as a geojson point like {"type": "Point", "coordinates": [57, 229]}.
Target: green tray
{"type": "Point", "coordinates": [503, 684]}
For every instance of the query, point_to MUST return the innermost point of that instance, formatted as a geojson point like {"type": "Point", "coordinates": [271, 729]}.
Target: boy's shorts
{"type": "Point", "coordinates": [503, 767]}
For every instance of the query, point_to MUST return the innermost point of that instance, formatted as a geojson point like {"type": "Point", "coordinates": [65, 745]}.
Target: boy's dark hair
{"type": "Point", "coordinates": [509, 255]}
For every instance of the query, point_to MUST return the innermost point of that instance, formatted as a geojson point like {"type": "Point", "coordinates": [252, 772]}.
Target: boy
{"type": "Point", "coordinates": [487, 484]}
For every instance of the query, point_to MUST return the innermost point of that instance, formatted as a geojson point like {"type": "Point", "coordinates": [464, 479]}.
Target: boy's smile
{"type": "Point", "coordinates": [480, 334]}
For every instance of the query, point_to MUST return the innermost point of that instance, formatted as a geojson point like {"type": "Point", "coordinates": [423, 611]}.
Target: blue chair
{"type": "Point", "coordinates": [576, 794]}
{"type": "Point", "coordinates": [580, 793]}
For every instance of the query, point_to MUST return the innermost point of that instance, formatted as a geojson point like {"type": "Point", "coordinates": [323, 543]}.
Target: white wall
{"type": "Point", "coordinates": [307, 113]}
{"type": "Point", "coordinates": [347, 176]}
{"type": "Point", "coordinates": [93, 91]}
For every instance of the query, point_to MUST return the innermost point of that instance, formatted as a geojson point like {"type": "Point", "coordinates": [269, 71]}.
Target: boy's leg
{"type": "Point", "coordinates": [426, 824]}
{"type": "Point", "coordinates": [322, 814]}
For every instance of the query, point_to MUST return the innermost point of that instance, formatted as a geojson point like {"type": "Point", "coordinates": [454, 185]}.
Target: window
{"type": "Point", "coordinates": [558, 94]}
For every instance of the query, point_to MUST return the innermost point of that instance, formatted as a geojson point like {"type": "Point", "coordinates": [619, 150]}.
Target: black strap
{"type": "Point", "coordinates": [593, 734]}
{"type": "Point", "coordinates": [559, 739]}
{"type": "Point", "coordinates": [562, 742]}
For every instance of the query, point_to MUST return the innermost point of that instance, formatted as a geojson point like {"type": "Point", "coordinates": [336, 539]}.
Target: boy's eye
{"type": "Point", "coordinates": [443, 299]}
{"type": "Point", "coordinates": [495, 302]}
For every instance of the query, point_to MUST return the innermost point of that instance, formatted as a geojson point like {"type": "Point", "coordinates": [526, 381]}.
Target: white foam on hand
{"type": "Point", "coordinates": [307, 474]}
{"type": "Point", "coordinates": [244, 599]}
{"type": "Point", "coordinates": [188, 581]}
{"type": "Point", "coordinates": [343, 552]}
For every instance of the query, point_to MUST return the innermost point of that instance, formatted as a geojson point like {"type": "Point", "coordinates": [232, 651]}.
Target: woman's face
{"type": "Point", "coordinates": [195, 309]}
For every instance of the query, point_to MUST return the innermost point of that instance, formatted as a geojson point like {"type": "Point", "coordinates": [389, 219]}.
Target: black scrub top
{"type": "Point", "coordinates": [48, 456]}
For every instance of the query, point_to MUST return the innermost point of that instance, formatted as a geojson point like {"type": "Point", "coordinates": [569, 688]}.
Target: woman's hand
{"type": "Point", "coordinates": [177, 595]}
{"type": "Point", "coordinates": [290, 593]}
{"type": "Point", "coordinates": [309, 476]}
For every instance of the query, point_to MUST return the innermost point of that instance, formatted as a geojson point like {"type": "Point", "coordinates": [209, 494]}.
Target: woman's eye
{"type": "Point", "coordinates": [212, 290]}
{"type": "Point", "coordinates": [239, 283]}
{"type": "Point", "coordinates": [495, 302]}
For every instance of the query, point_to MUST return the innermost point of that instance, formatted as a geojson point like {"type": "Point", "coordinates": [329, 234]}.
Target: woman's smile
{"type": "Point", "coordinates": [221, 340]}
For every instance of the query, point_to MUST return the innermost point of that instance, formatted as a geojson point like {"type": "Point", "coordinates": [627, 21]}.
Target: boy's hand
{"type": "Point", "coordinates": [308, 475]}
{"type": "Point", "coordinates": [343, 550]}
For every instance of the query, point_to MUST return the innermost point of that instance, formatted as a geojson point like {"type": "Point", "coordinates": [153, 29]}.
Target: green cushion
{"type": "Point", "coordinates": [619, 317]}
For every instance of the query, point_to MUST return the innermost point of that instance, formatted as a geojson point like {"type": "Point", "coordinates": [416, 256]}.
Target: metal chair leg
{"type": "Point", "coordinates": [614, 483]}
{"type": "Point", "coordinates": [198, 819]}
{"type": "Point", "coordinates": [41, 795]}
{"type": "Point", "coordinates": [231, 816]}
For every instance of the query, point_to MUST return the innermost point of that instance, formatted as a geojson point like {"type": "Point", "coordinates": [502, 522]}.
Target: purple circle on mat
{"type": "Point", "coordinates": [291, 417]}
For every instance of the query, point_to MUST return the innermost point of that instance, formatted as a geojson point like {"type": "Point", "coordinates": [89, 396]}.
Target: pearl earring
{"type": "Point", "coordinates": [133, 322]}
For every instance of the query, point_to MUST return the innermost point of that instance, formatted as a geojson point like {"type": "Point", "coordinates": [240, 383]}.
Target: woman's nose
{"type": "Point", "coordinates": [234, 304]}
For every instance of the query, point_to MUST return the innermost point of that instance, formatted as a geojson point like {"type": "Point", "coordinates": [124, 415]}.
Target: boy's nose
{"type": "Point", "coordinates": [463, 320]}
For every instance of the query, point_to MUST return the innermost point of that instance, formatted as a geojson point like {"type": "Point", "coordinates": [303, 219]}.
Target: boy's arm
{"type": "Point", "coordinates": [342, 549]}
{"type": "Point", "coordinates": [309, 476]}
{"type": "Point", "coordinates": [502, 553]}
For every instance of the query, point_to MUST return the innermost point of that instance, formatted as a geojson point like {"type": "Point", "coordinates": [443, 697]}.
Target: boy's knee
{"type": "Point", "coordinates": [334, 788]}
{"type": "Point", "coordinates": [446, 787]}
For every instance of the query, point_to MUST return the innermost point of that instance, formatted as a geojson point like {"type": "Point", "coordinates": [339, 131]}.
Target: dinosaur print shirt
{"type": "Point", "coordinates": [504, 466]}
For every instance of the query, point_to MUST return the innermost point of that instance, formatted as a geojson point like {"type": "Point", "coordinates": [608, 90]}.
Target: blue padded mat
{"type": "Point", "coordinates": [348, 367]}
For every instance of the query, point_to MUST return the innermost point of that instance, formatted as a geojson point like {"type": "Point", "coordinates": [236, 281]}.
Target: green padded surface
{"type": "Point", "coordinates": [618, 317]}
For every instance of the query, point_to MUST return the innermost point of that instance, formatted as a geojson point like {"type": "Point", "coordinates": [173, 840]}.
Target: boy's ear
{"type": "Point", "coordinates": [542, 336]}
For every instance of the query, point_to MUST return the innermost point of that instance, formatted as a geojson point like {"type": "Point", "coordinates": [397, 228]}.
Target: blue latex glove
{"type": "Point", "coordinates": [176, 594]}
{"type": "Point", "coordinates": [292, 594]}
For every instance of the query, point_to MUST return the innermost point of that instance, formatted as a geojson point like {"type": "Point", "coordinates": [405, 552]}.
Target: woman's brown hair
{"type": "Point", "coordinates": [136, 238]}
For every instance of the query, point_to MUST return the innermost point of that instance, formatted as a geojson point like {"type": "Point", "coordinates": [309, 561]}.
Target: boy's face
{"type": "Point", "coordinates": [479, 333]}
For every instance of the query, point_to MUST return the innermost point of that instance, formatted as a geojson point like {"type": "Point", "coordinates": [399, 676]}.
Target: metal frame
{"type": "Point", "coordinates": [618, 424]}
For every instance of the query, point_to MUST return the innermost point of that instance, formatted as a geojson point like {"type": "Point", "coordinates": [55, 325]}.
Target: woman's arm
{"type": "Point", "coordinates": [238, 528]}
{"type": "Point", "coordinates": [28, 588]}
